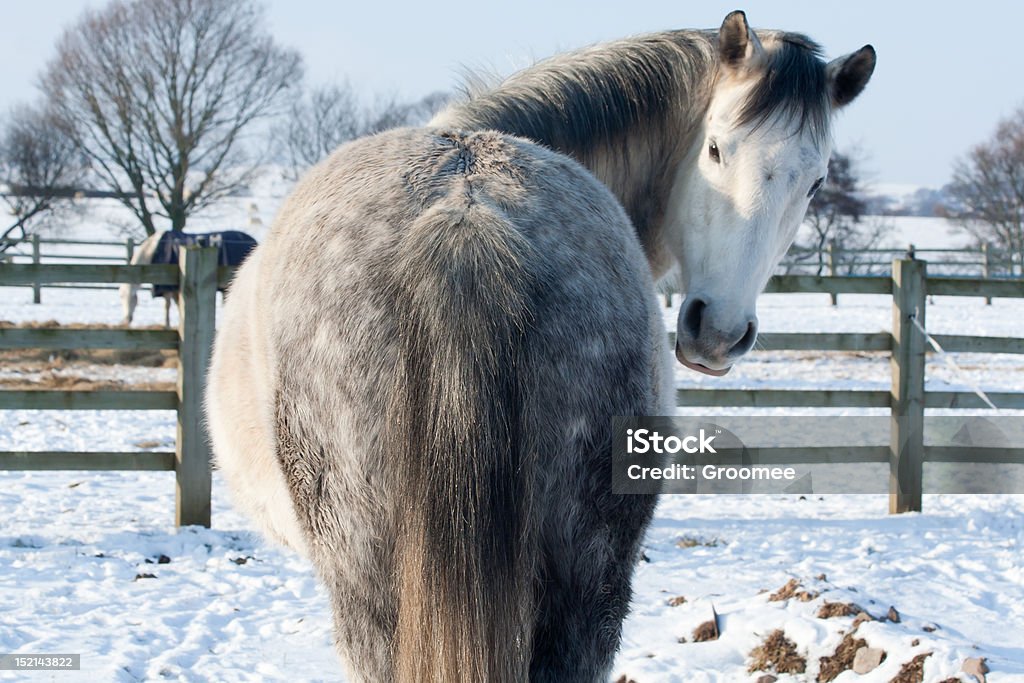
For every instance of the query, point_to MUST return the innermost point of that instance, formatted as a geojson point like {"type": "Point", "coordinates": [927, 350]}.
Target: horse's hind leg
{"type": "Point", "coordinates": [239, 409]}
{"type": "Point", "coordinates": [585, 576]}
{"type": "Point", "coordinates": [347, 527]}
{"type": "Point", "coordinates": [364, 609]}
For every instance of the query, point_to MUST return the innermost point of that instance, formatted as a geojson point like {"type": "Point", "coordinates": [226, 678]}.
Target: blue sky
{"type": "Point", "coordinates": [944, 76]}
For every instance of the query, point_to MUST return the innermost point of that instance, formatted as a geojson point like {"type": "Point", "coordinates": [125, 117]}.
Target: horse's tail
{"type": "Point", "coordinates": [464, 551]}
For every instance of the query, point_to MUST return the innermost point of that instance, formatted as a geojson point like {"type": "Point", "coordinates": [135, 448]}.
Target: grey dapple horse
{"type": "Point", "coordinates": [423, 407]}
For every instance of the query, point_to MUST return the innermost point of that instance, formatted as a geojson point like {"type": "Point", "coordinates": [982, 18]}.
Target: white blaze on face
{"type": "Point", "coordinates": [753, 193]}
{"type": "Point", "coordinates": [737, 213]}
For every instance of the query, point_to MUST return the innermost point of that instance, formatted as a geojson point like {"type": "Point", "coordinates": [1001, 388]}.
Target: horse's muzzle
{"type": "Point", "coordinates": [700, 367]}
{"type": "Point", "coordinates": [704, 344]}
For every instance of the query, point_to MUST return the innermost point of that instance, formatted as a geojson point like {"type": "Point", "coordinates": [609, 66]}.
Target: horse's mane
{"type": "Point", "coordinates": [626, 110]}
{"type": "Point", "coordinates": [593, 96]}
{"type": "Point", "coordinates": [589, 97]}
{"type": "Point", "coordinates": [794, 85]}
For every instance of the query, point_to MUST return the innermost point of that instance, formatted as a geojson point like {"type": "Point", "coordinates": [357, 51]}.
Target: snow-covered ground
{"type": "Point", "coordinates": [90, 563]}
{"type": "Point", "coordinates": [77, 551]}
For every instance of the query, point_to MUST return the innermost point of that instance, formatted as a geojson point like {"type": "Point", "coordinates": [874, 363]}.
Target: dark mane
{"type": "Point", "coordinates": [793, 85]}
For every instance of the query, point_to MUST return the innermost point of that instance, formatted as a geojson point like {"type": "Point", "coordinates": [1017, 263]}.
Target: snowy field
{"type": "Point", "coordinates": [80, 571]}
{"type": "Point", "coordinates": [91, 563]}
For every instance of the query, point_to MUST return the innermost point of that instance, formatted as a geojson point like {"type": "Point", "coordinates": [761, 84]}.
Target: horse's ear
{"type": "Point", "coordinates": [848, 75]}
{"type": "Point", "coordinates": [737, 44]}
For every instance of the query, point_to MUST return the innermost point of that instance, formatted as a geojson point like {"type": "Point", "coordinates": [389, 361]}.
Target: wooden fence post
{"type": "Point", "coordinates": [906, 438]}
{"type": "Point", "coordinates": [129, 245]}
{"type": "Point", "coordinates": [832, 268]}
{"type": "Point", "coordinates": [985, 269]}
{"type": "Point", "coordinates": [37, 291]}
{"type": "Point", "coordinates": [197, 299]}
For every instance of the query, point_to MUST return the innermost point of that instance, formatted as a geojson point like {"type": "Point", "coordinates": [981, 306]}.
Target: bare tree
{"type": "Point", "coordinates": [158, 94]}
{"type": "Point", "coordinates": [40, 169]}
{"type": "Point", "coordinates": [836, 216]}
{"type": "Point", "coordinates": [330, 115]}
{"type": "Point", "coordinates": [317, 123]}
{"type": "Point", "coordinates": [988, 191]}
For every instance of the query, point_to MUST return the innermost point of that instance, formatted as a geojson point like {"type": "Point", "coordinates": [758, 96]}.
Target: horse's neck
{"type": "Point", "coordinates": [629, 111]}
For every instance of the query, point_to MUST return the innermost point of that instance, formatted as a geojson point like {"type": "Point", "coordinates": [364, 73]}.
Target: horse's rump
{"type": "Point", "coordinates": [454, 319]}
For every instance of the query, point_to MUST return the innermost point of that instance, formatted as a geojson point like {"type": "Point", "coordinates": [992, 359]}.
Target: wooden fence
{"type": "Point", "coordinates": [906, 399]}
{"type": "Point", "coordinates": [198, 276]}
{"type": "Point", "coordinates": [33, 250]}
{"type": "Point", "coordinates": [984, 261]}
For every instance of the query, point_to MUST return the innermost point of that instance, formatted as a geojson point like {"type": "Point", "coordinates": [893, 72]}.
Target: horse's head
{"type": "Point", "coordinates": [745, 185]}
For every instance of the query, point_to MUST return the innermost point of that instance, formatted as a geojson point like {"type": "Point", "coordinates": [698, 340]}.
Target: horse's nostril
{"type": "Point", "coordinates": [692, 317]}
{"type": "Point", "coordinates": [746, 342]}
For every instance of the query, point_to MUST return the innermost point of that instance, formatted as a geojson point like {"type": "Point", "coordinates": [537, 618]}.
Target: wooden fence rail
{"type": "Point", "coordinates": [984, 261]}
{"type": "Point", "coordinates": [120, 252]}
{"type": "Point", "coordinates": [38, 263]}
{"type": "Point", "coordinates": [198, 276]}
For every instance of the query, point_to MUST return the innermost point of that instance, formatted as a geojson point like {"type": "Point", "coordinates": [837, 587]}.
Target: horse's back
{"type": "Point", "coordinates": [340, 263]}
{"type": "Point", "coordinates": [427, 282]}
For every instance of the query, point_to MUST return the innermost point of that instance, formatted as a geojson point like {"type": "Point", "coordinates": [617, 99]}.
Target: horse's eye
{"type": "Point", "coordinates": [816, 186]}
{"type": "Point", "coordinates": [714, 153]}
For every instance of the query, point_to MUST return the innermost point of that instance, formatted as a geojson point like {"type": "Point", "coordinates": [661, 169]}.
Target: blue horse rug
{"type": "Point", "coordinates": [232, 248]}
